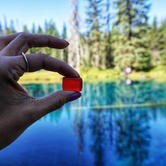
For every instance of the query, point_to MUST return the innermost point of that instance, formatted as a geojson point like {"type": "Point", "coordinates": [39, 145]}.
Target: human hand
{"type": "Point", "coordinates": [18, 110]}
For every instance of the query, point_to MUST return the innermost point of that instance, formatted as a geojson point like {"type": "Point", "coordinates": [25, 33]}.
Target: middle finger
{"type": "Point", "coordinates": [24, 41]}
{"type": "Point", "coordinates": [41, 61]}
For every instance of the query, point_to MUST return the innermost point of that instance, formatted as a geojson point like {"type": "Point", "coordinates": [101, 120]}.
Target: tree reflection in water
{"type": "Point", "coordinates": [101, 129]}
{"type": "Point", "coordinates": [124, 131]}
{"type": "Point", "coordinates": [132, 136]}
{"type": "Point", "coordinates": [79, 129]}
{"type": "Point", "coordinates": [98, 127]}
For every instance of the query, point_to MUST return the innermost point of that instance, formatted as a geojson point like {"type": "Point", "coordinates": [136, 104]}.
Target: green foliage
{"type": "Point", "coordinates": [33, 28]}
{"type": "Point", "coordinates": [162, 42]}
{"type": "Point", "coordinates": [94, 23]}
{"type": "Point", "coordinates": [131, 45]}
{"type": "Point", "coordinates": [11, 28]}
{"type": "Point", "coordinates": [130, 42]}
{"type": "Point", "coordinates": [64, 36]}
{"type": "Point", "coordinates": [25, 29]}
{"type": "Point", "coordinates": [154, 36]}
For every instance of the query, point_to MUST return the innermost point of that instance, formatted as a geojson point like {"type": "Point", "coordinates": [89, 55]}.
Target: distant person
{"type": "Point", "coordinates": [128, 70]}
{"type": "Point", "coordinates": [18, 110]}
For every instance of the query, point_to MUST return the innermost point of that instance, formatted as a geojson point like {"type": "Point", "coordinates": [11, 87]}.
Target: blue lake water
{"type": "Point", "coordinates": [103, 128]}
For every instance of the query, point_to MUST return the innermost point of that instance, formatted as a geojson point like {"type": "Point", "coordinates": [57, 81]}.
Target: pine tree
{"type": "Point", "coordinates": [154, 45]}
{"type": "Point", "coordinates": [108, 48]}
{"type": "Point", "coordinates": [94, 25]}
{"type": "Point", "coordinates": [6, 31]}
{"type": "Point", "coordinates": [132, 43]}
{"type": "Point", "coordinates": [25, 29]}
{"type": "Point", "coordinates": [50, 29]}
{"type": "Point", "coordinates": [33, 28]}
{"type": "Point", "coordinates": [11, 28]}
{"type": "Point", "coordinates": [39, 49]}
{"type": "Point", "coordinates": [162, 42]}
{"type": "Point", "coordinates": [39, 31]}
{"type": "Point", "coordinates": [64, 36]}
{"type": "Point", "coordinates": [113, 42]}
{"type": "Point", "coordinates": [33, 50]}
{"type": "Point", "coordinates": [84, 53]}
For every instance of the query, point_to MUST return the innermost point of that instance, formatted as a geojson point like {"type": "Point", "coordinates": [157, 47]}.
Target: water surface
{"type": "Point", "coordinates": [103, 128]}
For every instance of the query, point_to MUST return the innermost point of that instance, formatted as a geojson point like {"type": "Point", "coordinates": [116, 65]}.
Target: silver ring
{"type": "Point", "coordinates": [26, 61]}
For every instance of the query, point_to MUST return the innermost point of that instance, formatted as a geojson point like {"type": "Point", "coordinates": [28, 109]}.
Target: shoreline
{"type": "Point", "coordinates": [93, 75]}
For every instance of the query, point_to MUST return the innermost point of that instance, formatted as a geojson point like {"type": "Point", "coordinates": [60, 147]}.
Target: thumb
{"type": "Point", "coordinates": [53, 101]}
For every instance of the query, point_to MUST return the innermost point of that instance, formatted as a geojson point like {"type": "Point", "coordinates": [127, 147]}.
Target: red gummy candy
{"type": "Point", "coordinates": [72, 84]}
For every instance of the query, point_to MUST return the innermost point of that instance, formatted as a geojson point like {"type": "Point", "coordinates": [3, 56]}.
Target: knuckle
{"type": "Point", "coordinates": [63, 66]}
{"type": "Point", "coordinates": [23, 35]}
{"type": "Point", "coordinates": [60, 101]}
{"type": "Point", "coordinates": [43, 55]}
{"type": "Point", "coordinates": [44, 59]}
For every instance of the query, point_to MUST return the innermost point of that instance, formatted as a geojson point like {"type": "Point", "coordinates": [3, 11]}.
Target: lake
{"type": "Point", "coordinates": [113, 124]}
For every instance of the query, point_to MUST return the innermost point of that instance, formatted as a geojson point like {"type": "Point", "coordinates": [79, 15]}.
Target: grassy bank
{"type": "Point", "coordinates": [39, 77]}
{"type": "Point", "coordinates": [46, 77]}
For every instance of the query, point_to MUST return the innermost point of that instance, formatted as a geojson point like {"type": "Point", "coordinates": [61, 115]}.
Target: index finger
{"type": "Point", "coordinates": [24, 41]}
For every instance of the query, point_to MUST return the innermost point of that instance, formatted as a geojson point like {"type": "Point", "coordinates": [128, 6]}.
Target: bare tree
{"type": "Point", "coordinates": [74, 21]}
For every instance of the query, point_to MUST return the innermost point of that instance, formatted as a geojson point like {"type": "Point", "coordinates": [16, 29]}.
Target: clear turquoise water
{"type": "Point", "coordinates": [86, 133]}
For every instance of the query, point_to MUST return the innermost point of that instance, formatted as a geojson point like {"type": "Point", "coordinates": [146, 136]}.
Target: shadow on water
{"type": "Point", "coordinates": [113, 136]}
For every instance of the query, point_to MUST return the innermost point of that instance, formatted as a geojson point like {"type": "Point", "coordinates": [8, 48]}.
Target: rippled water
{"type": "Point", "coordinates": [113, 124]}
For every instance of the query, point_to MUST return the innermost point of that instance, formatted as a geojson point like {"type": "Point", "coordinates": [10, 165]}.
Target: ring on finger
{"type": "Point", "coordinates": [26, 61]}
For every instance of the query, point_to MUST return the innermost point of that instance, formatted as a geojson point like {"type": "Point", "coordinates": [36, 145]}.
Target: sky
{"type": "Point", "coordinates": [27, 12]}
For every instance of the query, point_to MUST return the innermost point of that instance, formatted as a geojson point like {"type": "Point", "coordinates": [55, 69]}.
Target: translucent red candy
{"type": "Point", "coordinates": [72, 84]}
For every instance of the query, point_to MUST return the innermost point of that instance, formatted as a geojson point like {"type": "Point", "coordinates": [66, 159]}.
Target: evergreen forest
{"type": "Point", "coordinates": [116, 36]}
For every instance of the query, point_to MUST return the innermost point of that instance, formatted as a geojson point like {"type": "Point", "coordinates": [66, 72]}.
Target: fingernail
{"type": "Point", "coordinates": [77, 73]}
{"type": "Point", "coordinates": [65, 41]}
{"type": "Point", "coordinates": [75, 96]}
